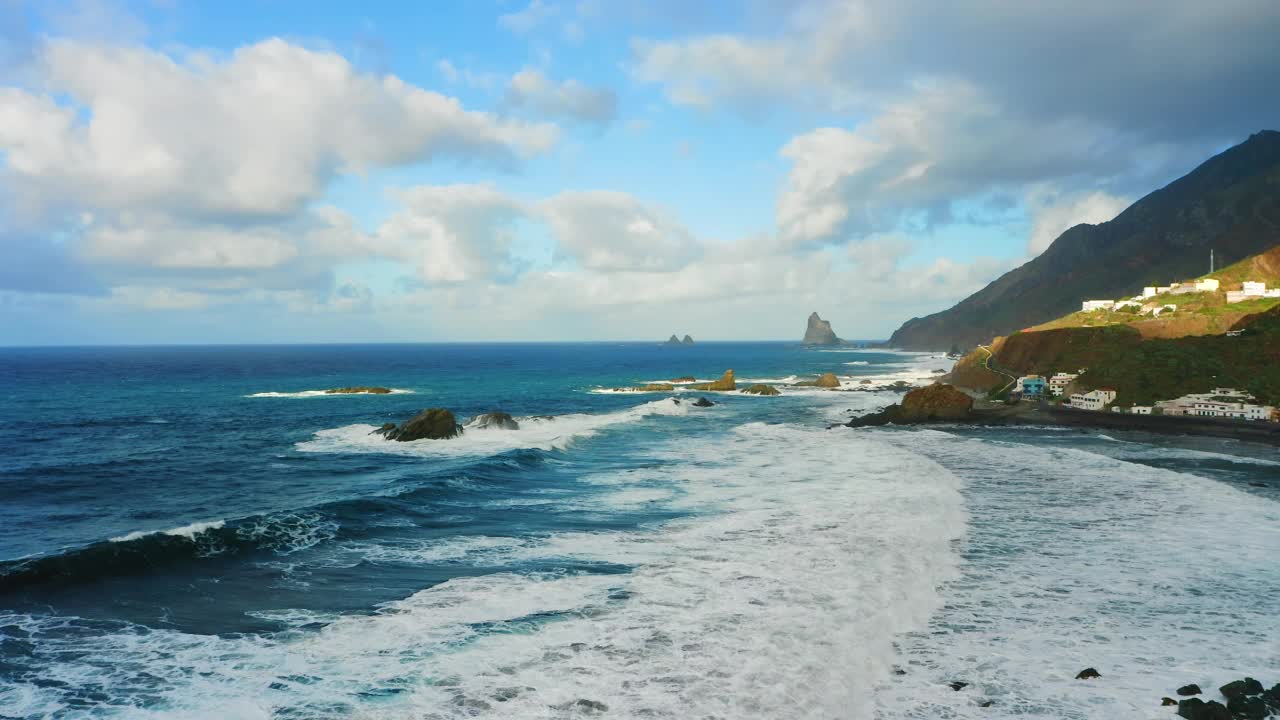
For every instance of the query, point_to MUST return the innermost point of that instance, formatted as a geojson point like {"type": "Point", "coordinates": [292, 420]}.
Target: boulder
{"type": "Point", "coordinates": [687, 340]}
{"type": "Point", "coordinates": [819, 332]}
{"type": "Point", "coordinates": [1191, 689]}
{"type": "Point", "coordinates": [685, 379]}
{"type": "Point", "coordinates": [493, 421]}
{"type": "Point", "coordinates": [358, 390]}
{"type": "Point", "coordinates": [386, 428]}
{"type": "Point", "coordinates": [761, 389]}
{"type": "Point", "coordinates": [1197, 709]}
{"type": "Point", "coordinates": [1166, 701]}
{"type": "Point", "coordinates": [1240, 688]}
{"type": "Point", "coordinates": [1272, 697]}
{"type": "Point", "coordinates": [703, 402]}
{"type": "Point", "coordinates": [1088, 674]}
{"type": "Point", "coordinates": [935, 402]}
{"type": "Point", "coordinates": [825, 380]}
{"type": "Point", "coordinates": [726, 383]}
{"type": "Point", "coordinates": [430, 424]}
{"type": "Point", "coordinates": [1248, 708]}
{"type": "Point", "coordinates": [864, 382]}
{"type": "Point", "coordinates": [957, 685]}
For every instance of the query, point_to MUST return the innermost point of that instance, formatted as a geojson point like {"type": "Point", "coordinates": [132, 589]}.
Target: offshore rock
{"type": "Point", "coordinates": [1249, 708]}
{"type": "Point", "coordinates": [825, 380]}
{"type": "Point", "coordinates": [685, 379]}
{"type": "Point", "coordinates": [762, 389]}
{"type": "Point", "coordinates": [430, 424]}
{"type": "Point", "coordinates": [1240, 688]}
{"type": "Point", "coordinates": [493, 421]}
{"type": "Point", "coordinates": [703, 402]}
{"type": "Point", "coordinates": [1197, 709]}
{"type": "Point", "coordinates": [651, 387]}
{"type": "Point", "coordinates": [726, 383]}
{"type": "Point", "coordinates": [1191, 689]}
{"type": "Point", "coordinates": [673, 340]}
{"type": "Point", "coordinates": [687, 340]}
{"type": "Point", "coordinates": [819, 332]}
{"type": "Point", "coordinates": [358, 390]}
{"type": "Point", "coordinates": [1088, 674]}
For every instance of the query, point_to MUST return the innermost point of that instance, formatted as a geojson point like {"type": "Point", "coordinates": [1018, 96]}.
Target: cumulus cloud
{"type": "Point", "coordinates": [527, 20]}
{"type": "Point", "coordinates": [257, 134]}
{"type": "Point", "coordinates": [606, 230]}
{"type": "Point", "coordinates": [1053, 213]}
{"type": "Point", "coordinates": [531, 89]}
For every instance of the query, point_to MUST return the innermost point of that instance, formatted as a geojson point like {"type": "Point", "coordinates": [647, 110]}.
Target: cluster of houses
{"type": "Point", "coordinates": [1220, 402]}
{"type": "Point", "coordinates": [1144, 302]}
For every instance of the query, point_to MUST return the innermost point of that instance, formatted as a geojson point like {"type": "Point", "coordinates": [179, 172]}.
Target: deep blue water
{"type": "Point", "coordinates": [170, 516]}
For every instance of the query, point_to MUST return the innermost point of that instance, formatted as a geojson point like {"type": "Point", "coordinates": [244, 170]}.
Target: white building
{"type": "Point", "coordinates": [1059, 382]}
{"type": "Point", "coordinates": [1206, 285]}
{"type": "Point", "coordinates": [1140, 409]}
{"type": "Point", "coordinates": [1150, 292]}
{"type": "Point", "coordinates": [1157, 312]}
{"type": "Point", "coordinates": [1238, 411]}
{"type": "Point", "coordinates": [1250, 290]}
{"type": "Point", "coordinates": [1253, 289]}
{"type": "Point", "coordinates": [1091, 305]}
{"type": "Point", "coordinates": [1094, 399]}
{"type": "Point", "coordinates": [1127, 303]}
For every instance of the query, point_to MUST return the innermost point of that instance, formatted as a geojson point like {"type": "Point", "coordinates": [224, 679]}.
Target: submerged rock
{"type": "Point", "coordinates": [1088, 674]}
{"type": "Point", "coordinates": [726, 383]}
{"type": "Point", "coordinates": [762, 389]}
{"type": "Point", "coordinates": [358, 390]}
{"type": "Point", "coordinates": [958, 686]}
{"type": "Point", "coordinates": [819, 332]}
{"type": "Point", "coordinates": [493, 420]}
{"type": "Point", "coordinates": [430, 424]}
{"type": "Point", "coordinates": [703, 402]}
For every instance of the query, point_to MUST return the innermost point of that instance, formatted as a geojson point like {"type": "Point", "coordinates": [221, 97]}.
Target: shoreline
{"type": "Point", "coordinates": [1029, 414]}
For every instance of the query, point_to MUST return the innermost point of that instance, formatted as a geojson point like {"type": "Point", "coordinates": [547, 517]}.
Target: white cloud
{"type": "Point", "coordinates": [1052, 214]}
{"type": "Point", "coordinates": [257, 134]}
{"type": "Point", "coordinates": [527, 20]}
{"type": "Point", "coordinates": [570, 98]}
{"type": "Point", "coordinates": [606, 230]}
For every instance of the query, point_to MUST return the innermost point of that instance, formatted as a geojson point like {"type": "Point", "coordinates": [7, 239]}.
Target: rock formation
{"type": "Point", "coordinates": [825, 380]}
{"type": "Point", "coordinates": [724, 384]}
{"type": "Point", "coordinates": [687, 340]}
{"type": "Point", "coordinates": [762, 389]}
{"type": "Point", "coordinates": [493, 421]}
{"type": "Point", "coordinates": [357, 390]}
{"type": "Point", "coordinates": [934, 403]}
{"type": "Point", "coordinates": [430, 424]}
{"type": "Point", "coordinates": [651, 387]}
{"type": "Point", "coordinates": [673, 340]}
{"type": "Point", "coordinates": [703, 402]}
{"type": "Point", "coordinates": [685, 379]}
{"type": "Point", "coordinates": [819, 332]}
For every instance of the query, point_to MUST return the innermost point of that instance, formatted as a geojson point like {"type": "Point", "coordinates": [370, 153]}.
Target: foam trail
{"type": "Point", "coordinates": [187, 531]}
{"type": "Point", "coordinates": [323, 393]}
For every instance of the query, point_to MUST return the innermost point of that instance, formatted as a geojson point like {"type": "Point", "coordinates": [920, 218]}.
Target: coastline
{"type": "Point", "coordinates": [1043, 414]}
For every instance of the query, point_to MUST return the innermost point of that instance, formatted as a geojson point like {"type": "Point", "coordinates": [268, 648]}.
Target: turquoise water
{"type": "Point", "coordinates": [196, 532]}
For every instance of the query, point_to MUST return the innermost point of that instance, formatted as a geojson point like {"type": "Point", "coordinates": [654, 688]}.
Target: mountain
{"type": "Point", "coordinates": [1230, 204]}
{"type": "Point", "coordinates": [819, 332]}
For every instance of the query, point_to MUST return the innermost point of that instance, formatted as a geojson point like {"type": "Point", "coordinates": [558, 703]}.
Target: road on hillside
{"type": "Point", "coordinates": [987, 364]}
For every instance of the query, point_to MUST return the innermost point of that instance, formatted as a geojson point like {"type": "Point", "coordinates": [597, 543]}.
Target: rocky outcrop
{"type": "Point", "coordinates": [673, 340]}
{"type": "Point", "coordinates": [650, 387]}
{"type": "Point", "coordinates": [685, 379]}
{"type": "Point", "coordinates": [933, 403]}
{"type": "Point", "coordinates": [358, 390]}
{"type": "Point", "coordinates": [819, 332]}
{"type": "Point", "coordinates": [687, 340]}
{"type": "Point", "coordinates": [825, 380]}
{"type": "Point", "coordinates": [1088, 674]}
{"type": "Point", "coordinates": [703, 402]}
{"type": "Point", "coordinates": [493, 421]}
{"type": "Point", "coordinates": [726, 383]}
{"type": "Point", "coordinates": [762, 389]}
{"type": "Point", "coordinates": [430, 424]}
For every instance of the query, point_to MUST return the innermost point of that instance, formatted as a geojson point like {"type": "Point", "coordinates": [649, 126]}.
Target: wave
{"type": "Point", "coordinates": [536, 433]}
{"type": "Point", "coordinates": [325, 393]}
{"type": "Point", "coordinates": [859, 362]}
{"type": "Point", "coordinates": [782, 600]}
{"type": "Point", "coordinates": [139, 552]}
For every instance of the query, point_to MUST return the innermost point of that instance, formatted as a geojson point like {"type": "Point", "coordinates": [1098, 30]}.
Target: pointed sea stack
{"type": "Point", "coordinates": [819, 332]}
{"type": "Point", "coordinates": [687, 340]}
{"type": "Point", "coordinates": [673, 340]}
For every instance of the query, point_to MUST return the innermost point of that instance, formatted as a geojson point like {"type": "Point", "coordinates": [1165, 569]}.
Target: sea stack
{"type": "Point", "coordinates": [687, 340]}
{"type": "Point", "coordinates": [673, 340]}
{"type": "Point", "coordinates": [819, 332]}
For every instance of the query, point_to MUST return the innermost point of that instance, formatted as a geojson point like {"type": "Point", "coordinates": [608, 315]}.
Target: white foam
{"type": "Point", "coordinates": [186, 531]}
{"type": "Point", "coordinates": [325, 393]}
{"type": "Point", "coordinates": [1156, 578]}
{"type": "Point", "coordinates": [535, 433]}
{"type": "Point", "coordinates": [782, 600]}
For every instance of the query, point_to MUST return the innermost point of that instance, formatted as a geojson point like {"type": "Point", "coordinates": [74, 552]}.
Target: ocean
{"type": "Point", "coordinates": [199, 532]}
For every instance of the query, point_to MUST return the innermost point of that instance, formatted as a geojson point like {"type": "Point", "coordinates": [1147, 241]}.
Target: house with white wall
{"type": "Point", "coordinates": [1094, 399]}
{"type": "Point", "coordinates": [1091, 305]}
{"type": "Point", "coordinates": [1059, 382]}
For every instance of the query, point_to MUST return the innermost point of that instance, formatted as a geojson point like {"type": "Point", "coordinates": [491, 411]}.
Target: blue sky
{"type": "Point", "coordinates": [579, 170]}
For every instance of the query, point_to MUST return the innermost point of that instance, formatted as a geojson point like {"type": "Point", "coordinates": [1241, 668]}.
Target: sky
{"type": "Point", "coordinates": [280, 171]}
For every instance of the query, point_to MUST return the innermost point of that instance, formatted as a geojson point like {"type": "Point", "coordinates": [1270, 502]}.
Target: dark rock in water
{"type": "Point", "coordinates": [761, 389]}
{"type": "Point", "coordinates": [819, 332]}
{"type": "Point", "coordinates": [985, 703]}
{"type": "Point", "coordinates": [587, 705]}
{"type": "Point", "coordinates": [1088, 674]}
{"type": "Point", "coordinates": [1165, 701]}
{"type": "Point", "coordinates": [430, 424]}
{"type": "Point", "coordinates": [1272, 697]}
{"type": "Point", "coordinates": [359, 390]}
{"type": "Point", "coordinates": [1240, 688]}
{"type": "Point", "coordinates": [958, 686]}
{"type": "Point", "coordinates": [927, 404]}
{"type": "Point", "coordinates": [702, 402]}
{"type": "Point", "coordinates": [1197, 709]}
{"type": "Point", "coordinates": [899, 671]}
{"type": "Point", "coordinates": [673, 340]}
{"type": "Point", "coordinates": [1249, 708]}
{"type": "Point", "coordinates": [1191, 689]}
{"type": "Point", "coordinates": [864, 382]}
{"type": "Point", "coordinates": [386, 428]}
{"type": "Point", "coordinates": [1254, 483]}
{"type": "Point", "coordinates": [687, 340]}
{"type": "Point", "coordinates": [493, 421]}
